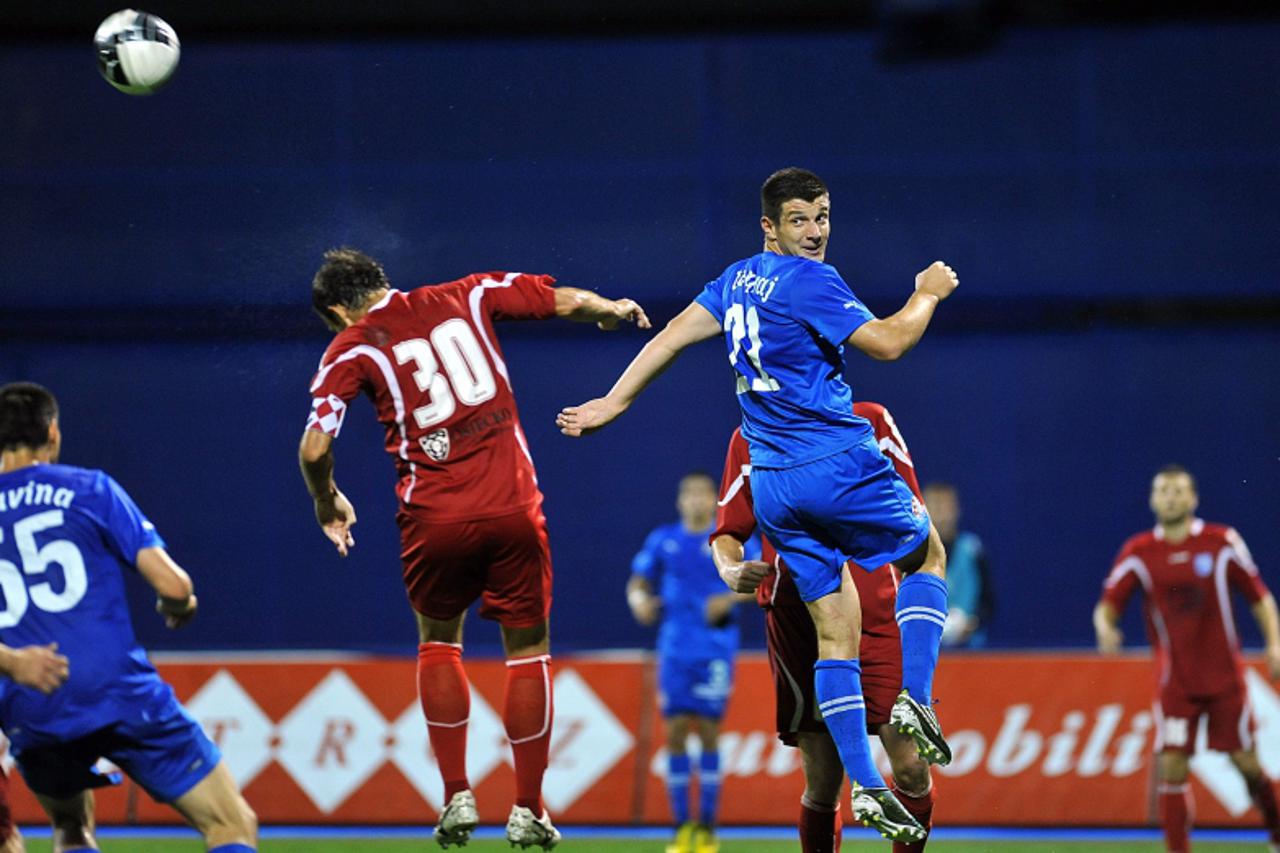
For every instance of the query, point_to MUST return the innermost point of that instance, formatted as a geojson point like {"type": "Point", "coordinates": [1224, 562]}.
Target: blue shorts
{"type": "Point", "coordinates": [162, 748]}
{"type": "Point", "coordinates": [700, 687]}
{"type": "Point", "coordinates": [851, 505]}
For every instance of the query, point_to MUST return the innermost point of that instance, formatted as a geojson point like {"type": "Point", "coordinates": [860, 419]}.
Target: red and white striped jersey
{"type": "Point", "coordinates": [430, 362]}
{"type": "Point", "coordinates": [1186, 590]}
{"type": "Point", "coordinates": [735, 517]}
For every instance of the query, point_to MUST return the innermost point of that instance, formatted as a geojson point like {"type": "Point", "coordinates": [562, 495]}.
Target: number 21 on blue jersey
{"type": "Point", "coordinates": [740, 325]}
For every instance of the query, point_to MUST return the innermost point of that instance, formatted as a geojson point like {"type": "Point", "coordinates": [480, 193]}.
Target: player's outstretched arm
{"type": "Point", "coordinates": [645, 606]}
{"type": "Point", "coordinates": [40, 667]}
{"type": "Point", "coordinates": [892, 337]}
{"type": "Point", "coordinates": [1106, 625]}
{"type": "Point", "coordinates": [739, 574]}
{"type": "Point", "coordinates": [1265, 614]}
{"type": "Point", "coordinates": [175, 594]}
{"type": "Point", "coordinates": [334, 512]}
{"type": "Point", "coordinates": [583, 306]}
{"type": "Point", "coordinates": [690, 326]}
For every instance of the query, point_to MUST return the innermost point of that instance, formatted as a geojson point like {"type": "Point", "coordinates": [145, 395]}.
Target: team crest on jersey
{"type": "Point", "coordinates": [917, 507]}
{"type": "Point", "coordinates": [1203, 565]}
{"type": "Point", "coordinates": [436, 444]}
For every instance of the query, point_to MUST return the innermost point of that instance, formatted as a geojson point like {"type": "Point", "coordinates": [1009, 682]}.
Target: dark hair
{"type": "Point", "coordinates": [26, 411]}
{"type": "Point", "coordinates": [1173, 469]}
{"type": "Point", "coordinates": [347, 278]}
{"type": "Point", "coordinates": [786, 184]}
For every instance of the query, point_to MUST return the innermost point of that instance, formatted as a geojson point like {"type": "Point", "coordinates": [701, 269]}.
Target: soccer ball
{"type": "Point", "coordinates": [137, 52]}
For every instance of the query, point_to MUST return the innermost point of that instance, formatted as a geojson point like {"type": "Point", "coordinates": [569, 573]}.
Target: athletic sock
{"type": "Point", "coordinates": [231, 848]}
{"type": "Point", "coordinates": [446, 704]}
{"type": "Point", "coordinates": [921, 808]}
{"type": "Point", "coordinates": [921, 612]}
{"type": "Point", "coordinates": [1263, 792]}
{"type": "Point", "coordinates": [678, 786]}
{"type": "Point", "coordinates": [819, 827]}
{"type": "Point", "coordinates": [527, 714]}
{"type": "Point", "coordinates": [837, 687]}
{"type": "Point", "coordinates": [708, 787]}
{"type": "Point", "coordinates": [1176, 815]}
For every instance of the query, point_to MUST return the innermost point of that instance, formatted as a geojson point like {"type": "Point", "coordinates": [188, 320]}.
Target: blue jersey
{"type": "Point", "coordinates": [785, 322]}
{"type": "Point", "coordinates": [678, 566]}
{"type": "Point", "coordinates": [66, 536]}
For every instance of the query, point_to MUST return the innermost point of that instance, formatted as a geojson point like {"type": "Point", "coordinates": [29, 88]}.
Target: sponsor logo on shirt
{"type": "Point", "coordinates": [436, 444]}
{"type": "Point", "coordinates": [483, 423]}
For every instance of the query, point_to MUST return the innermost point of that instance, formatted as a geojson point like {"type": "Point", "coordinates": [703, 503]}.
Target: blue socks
{"type": "Point", "coordinates": [708, 787]}
{"type": "Point", "coordinates": [677, 786]}
{"type": "Point", "coordinates": [837, 685]}
{"type": "Point", "coordinates": [921, 613]}
{"type": "Point", "coordinates": [232, 848]}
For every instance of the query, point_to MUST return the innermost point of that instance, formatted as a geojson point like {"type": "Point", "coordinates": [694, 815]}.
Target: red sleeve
{"type": "Point", "coordinates": [513, 295]}
{"type": "Point", "coordinates": [1241, 571]}
{"type": "Point", "coordinates": [891, 442]}
{"type": "Point", "coordinates": [735, 516]}
{"type": "Point", "coordinates": [1125, 577]}
{"type": "Point", "coordinates": [340, 378]}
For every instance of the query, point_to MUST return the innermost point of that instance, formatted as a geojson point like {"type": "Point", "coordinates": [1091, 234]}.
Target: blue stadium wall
{"type": "Point", "coordinates": [1108, 197]}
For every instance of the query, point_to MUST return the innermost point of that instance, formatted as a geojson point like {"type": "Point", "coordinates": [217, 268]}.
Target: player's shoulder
{"type": "Point", "coordinates": [75, 477]}
{"type": "Point", "coordinates": [1139, 543]}
{"type": "Point", "coordinates": [1213, 531]}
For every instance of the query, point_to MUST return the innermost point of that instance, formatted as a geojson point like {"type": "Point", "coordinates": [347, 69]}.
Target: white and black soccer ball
{"type": "Point", "coordinates": [137, 52]}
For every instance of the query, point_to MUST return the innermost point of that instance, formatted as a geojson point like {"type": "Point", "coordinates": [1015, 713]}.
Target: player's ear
{"type": "Point", "coordinates": [767, 227]}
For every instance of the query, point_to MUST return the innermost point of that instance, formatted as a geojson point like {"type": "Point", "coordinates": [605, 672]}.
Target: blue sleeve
{"type": "Point", "coordinates": [822, 301]}
{"type": "Point", "coordinates": [712, 298]}
{"type": "Point", "coordinates": [125, 528]}
{"type": "Point", "coordinates": [645, 563]}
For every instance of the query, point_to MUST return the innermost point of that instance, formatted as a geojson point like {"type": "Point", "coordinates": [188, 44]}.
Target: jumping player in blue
{"type": "Point", "coordinates": [67, 535]}
{"type": "Point", "coordinates": [824, 494]}
{"type": "Point", "coordinates": [674, 581]}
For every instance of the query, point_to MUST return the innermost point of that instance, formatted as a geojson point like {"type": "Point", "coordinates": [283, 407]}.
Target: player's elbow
{"type": "Point", "coordinates": [881, 340]}
{"type": "Point", "coordinates": [313, 448]}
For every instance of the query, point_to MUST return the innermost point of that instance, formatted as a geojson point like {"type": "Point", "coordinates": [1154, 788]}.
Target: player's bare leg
{"type": "Point", "coordinates": [676, 729]}
{"type": "Point", "coordinates": [527, 714]}
{"type": "Point", "coordinates": [837, 620]}
{"type": "Point", "coordinates": [13, 842]}
{"type": "Point", "coordinates": [911, 781]}
{"type": "Point", "coordinates": [1177, 811]}
{"type": "Point", "coordinates": [1261, 791]}
{"type": "Point", "coordinates": [819, 823]}
{"type": "Point", "coordinates": [218, 811]}
{"type": "Point", "coordinates": [446, 704]}
{"type": "Point", "coordinates": [921, 613]}
{"type": "Point", "coordinates": [72, 821]}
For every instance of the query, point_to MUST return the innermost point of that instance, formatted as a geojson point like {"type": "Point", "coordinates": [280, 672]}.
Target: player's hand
{"type": "Point", "coordinates": [1272, 654]}
{"type": "Point", "coordinates": [177, 611]}
{"type": "Point", "coordinates": [745, 576]}
{"type": "Point", "coordinates": [625, 310]}
{"type": "Point", "coordinates": [1110, 639]}
{"type": "Point", "coordinates": [719, 608]}
{"type": "Point", "coordinates": [646, 612]}
{"type": "Point", "coordinates": [590, 416]}
{"type": "Point", "coordinates": [40, 667]}
{"type": "Point", "coordinates": [938, 280]}
{"type": "Point", "coordinates": [337, 516]}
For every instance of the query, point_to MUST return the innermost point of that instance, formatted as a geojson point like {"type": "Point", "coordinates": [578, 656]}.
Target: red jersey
{"type": "Point", "coordinates": [1187, 602]}
{"type": "Point", "coordinates": [431, 364]}
{"type": "Point", "coordinates": [735, 517]}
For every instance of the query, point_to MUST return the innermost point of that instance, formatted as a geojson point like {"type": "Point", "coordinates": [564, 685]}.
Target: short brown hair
{"type": "Point", "coordinates": [1173, 469]}
{"type": "Point", "coordinates": [785, 184]}
{"type": "Point", "coordinates": [347, 278]}
{"type": "Point", "coordinates": [26, 411]}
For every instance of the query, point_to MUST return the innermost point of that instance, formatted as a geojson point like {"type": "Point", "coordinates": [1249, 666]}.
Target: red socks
{"type": "Point", "coordinates": [819, 827]}
{"type": "Point", "coordinates": [1176, 814]}
{"type": "Point", "coordinates": [446, 703]}
{"type": "Point", "coordinates": [1264, 797]}
{"type": "Point", "coordinates": [921, 808]}
{"type": "Point", "coordinates": [527, 715]}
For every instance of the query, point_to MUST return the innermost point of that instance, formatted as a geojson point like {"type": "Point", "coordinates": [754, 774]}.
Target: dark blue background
{"type": "Point", "coordinates": [156, 254]}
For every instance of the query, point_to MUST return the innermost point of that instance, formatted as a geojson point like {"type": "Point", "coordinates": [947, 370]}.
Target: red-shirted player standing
{"type": "Point", "coordinates": [793, 648]}
{"type": "Point", "coordinates": [470, 517]}
{"type": "Point", "coordinates": [1185, 568]}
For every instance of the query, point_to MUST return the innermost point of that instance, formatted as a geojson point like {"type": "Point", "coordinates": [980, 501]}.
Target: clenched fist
{"type": "Point", "coordinates": [938, 280]}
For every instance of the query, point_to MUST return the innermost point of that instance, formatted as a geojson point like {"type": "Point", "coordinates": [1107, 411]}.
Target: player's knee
{"type": "Point", "coordinates": [1247, 763]}
{"type": "Point", "coordinates": [239, 820]}
{"type": "Point", "coordinates": [911, 777]}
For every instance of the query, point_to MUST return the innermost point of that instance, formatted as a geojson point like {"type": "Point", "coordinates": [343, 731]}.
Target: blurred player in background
{"type": "Point", "coordinates": [73, 532]}
{"type": "Point", "coordinates": [697, 641]}
{"type": "Point", "coordinates": [1185, 568]}
{"type": "Point", "coordinates": [970, 597]}
{"type": "Point", "coordinates": [470, 516]}
{"type": "Point", "coordinates": [793, 650]}
{"type": "Point", "coordinates": [824, 494]}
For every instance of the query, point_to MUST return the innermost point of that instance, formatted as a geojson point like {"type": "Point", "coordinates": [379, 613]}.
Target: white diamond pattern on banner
{"type": "Point", "coordinates": [486, 749]}
{"type": "Point", "coordinates": [333, 741]}
{"type": "Point", "coordinates": [585, 744]}
{"type": "Point", "coordinates": [235, 723]}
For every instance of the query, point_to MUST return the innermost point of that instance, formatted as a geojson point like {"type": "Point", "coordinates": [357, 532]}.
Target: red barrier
{"type": "Point", "coordinates": [1039, 739]}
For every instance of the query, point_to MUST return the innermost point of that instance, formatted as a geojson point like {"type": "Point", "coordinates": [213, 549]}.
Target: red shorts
{"type": "Point", "coordinates": [793, 650]}
{"type": "Point", "coordinates": [1230, 721]}
{"type": "Point", "coordinates": [6, 816]}
{"type": "Point", "coordinates": [504, 561]}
